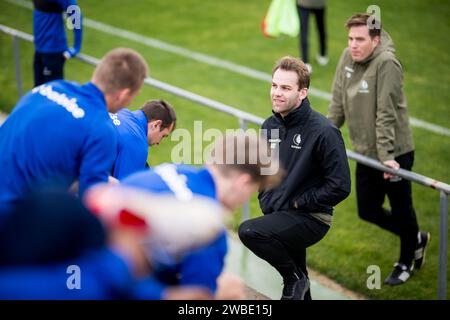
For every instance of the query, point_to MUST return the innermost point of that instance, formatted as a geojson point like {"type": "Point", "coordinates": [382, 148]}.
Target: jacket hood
{"type": "Point", "coordinates": [386, 44]}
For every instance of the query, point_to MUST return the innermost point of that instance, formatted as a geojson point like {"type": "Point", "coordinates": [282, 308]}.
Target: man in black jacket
{"type": "Point", "coordinates": [298, 213]}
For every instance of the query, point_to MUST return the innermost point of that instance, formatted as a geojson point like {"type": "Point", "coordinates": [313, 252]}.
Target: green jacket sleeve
{"type": "Point", "coordinates": [336, 108]}
{"type": "Point", "coordinates": [389, 88]}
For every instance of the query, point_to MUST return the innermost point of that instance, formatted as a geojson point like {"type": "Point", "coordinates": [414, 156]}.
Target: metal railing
{"type": "Point", "coordinates": [244, 118]}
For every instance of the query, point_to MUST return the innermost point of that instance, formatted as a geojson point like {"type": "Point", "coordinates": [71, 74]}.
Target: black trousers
{"type": "Point", "coordinates": [281, 238]}
{"type": "Point", "coordinates": [48, 67]}
{"type": "Point", "coordinates": [304, 29]}
{"type": "Point", "coordinates": [371, 190]}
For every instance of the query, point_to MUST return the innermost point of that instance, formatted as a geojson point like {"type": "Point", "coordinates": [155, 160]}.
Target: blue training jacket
{"type": "Point", "coordinates": [58, 133]}
{"type": "Point", "coordinates": [48, 26]}
{"type": "Point", "coordinates": [204, 265]}
{"type": "Point", "coordinates": [132, 150]}
{"type": "Point", "coordinates": [100, 274]}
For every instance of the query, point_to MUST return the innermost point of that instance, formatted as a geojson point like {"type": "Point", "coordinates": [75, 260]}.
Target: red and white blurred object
{"type": "Point", "coordinates": [168, 224]}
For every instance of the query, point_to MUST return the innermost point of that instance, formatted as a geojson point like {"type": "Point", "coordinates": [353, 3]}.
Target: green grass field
{"type": "Point", "coordinates": [230, 30]}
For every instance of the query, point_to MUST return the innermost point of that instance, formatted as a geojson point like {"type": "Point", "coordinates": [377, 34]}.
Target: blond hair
{"type": "Point", "coordinates": [247, 153]}
{"type": "Point", "coordinates": [120, 68]}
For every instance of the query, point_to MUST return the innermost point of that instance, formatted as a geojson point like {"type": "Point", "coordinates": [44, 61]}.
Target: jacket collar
{"type": "Point", "coordinates": [298, 116]}
{"type": "Point", "coordinates": [141, 120]}
{"type": "Point", "coordinates": [97, 92]}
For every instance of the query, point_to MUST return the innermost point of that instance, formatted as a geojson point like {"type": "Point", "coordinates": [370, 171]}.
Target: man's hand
{"type": "Point", "coordinates": [69, 53]}
{"type": "Point", "coordinates": [391, 164]}
{"type": "Point", "coordinates": [113, 180]}
{"type": "Point", "coordinates": [187, 293]}
{"type": "Point", "coordinates": [230, 287]}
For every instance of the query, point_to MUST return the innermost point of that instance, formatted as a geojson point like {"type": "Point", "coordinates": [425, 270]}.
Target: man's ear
{"type": "Point", "coordinates": [123, 94]}
{"type": "Point", "coordinates": [244, 179]}
{"type": "Point", "coordinates": [303, 93]}
{"type": "Point", "coordinates": [157, 124]}
{"type": "Point", "coordinates": [377, 40]}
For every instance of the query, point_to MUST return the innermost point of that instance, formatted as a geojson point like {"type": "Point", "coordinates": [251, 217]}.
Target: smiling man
{"type": "Point", "coordinates": [297, 213]}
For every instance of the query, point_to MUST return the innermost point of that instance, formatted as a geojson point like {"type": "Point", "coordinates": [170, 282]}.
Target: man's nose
{"type": "Point", "coordinates": [276, 91]}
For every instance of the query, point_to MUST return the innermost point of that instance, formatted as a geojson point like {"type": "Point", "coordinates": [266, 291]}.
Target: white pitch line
{"type": "Point", "coordinates": [203, 58]}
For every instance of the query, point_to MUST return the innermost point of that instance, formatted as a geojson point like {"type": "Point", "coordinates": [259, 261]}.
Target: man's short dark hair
{"type": "Point", "coordinates": [360, 19]}
{"type": "Point", "coordinates": [160, 110]}
{"type": "Point", "coordinates": [298, 66]}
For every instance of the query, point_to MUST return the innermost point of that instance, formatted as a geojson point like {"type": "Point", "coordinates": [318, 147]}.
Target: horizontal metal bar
{"type": "Point", "coordinates": [409, 175]}
{"type": "Point", "coordinates": [14, 32]}
{"type": "Point", "coordinates": [248, 117]}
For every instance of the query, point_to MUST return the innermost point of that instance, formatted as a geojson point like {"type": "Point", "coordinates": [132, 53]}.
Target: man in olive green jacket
{"type": "Point", "coordinates": [368, 94]}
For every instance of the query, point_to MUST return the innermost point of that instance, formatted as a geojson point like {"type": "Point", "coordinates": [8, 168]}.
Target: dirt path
{"type": "Point", "coordinates": [2, 117]}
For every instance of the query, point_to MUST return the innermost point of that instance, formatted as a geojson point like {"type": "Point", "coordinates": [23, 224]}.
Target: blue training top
{"type": "Point", "coordinates": [132, 150]}
{"type": "Point", "coordinates": [57, 133]}
{"type": "Point", "coordinates": [99, 274]}
{"type": "Point", "coordinates": [48, 26]}
{"type": "Point", "coordinates": [204, 265]}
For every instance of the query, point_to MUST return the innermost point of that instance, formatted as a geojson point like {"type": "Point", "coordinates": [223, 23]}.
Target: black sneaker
{"type": "Point", "coordinates": [295, 289]}
{"type": "Point", "coordinates": [399, 275]}
{"type": "Point", "coordinates": [419, 254]}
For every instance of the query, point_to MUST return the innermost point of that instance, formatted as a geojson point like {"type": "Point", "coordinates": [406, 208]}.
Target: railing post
{"type": "Point", "coordinates": [16, 53]}
{"type": "Point", "coordinates": [443, 234]}
{"type": "Point", "coordinates": [246, 206]}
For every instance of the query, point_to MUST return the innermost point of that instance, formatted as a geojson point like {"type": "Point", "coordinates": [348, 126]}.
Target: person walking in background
{"type": "Point", "coordinates": [137, 130]}
{"type": "Point", "coordinates": [50, 41]}
{"type": "Point", "coordinates": [298, 212]}
{"type": "Point", "coordinates": [305, 9]}
{"type": "Point", "coordinates": [368, 94]}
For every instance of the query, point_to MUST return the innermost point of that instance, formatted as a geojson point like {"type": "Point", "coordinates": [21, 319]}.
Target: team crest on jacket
{"type": "Point", "coordinates": [297, 140]}
{"type": "Point", "coordinates": [364, 87]}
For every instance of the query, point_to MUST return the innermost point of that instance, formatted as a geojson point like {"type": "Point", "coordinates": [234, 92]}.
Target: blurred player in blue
{"type": "Point", "coordinates": [54, 248]}
{"type": "Point", "coordinates": [61, 131]}
{"type": "Point", "coordinates": [234, 172]}
{"type": "Point", "coordinates": [50, 41]}
{"type": "Point", "coordinates": [137, 130]}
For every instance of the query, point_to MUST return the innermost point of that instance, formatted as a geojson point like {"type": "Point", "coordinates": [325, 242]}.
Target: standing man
{"type": "Point", "coordinates": [61, 131]}
{"type": "Point", "coordinates": [298, 213]}
{"type": "Point", "coordinates": [137, 131]}
{"type": "Point", "coordinates": [50, 41]}
{"type": "Point", "coordinates": [235, 171]}
{"type": "Point", "coordinates": [368, 94]}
